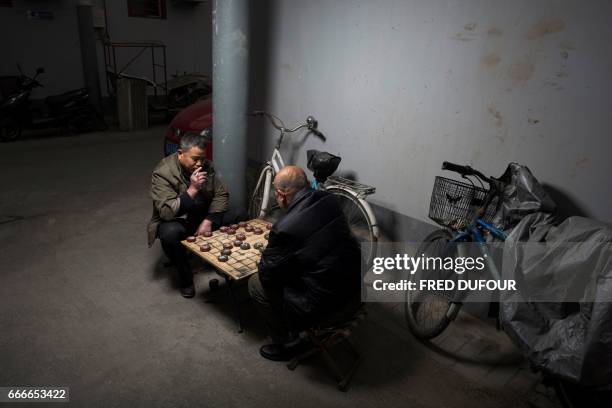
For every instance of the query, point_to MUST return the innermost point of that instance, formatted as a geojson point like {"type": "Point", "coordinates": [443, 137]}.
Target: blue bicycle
{"type": "Point", "coordinates": [465, 211]}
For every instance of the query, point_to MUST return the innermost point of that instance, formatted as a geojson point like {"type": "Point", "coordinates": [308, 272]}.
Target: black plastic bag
{"type": "Point", "coordinates": [322, 164]}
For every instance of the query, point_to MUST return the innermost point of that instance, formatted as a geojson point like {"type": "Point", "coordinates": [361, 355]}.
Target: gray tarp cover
{"type": "Point", "coordinates": [522, 195]}
{"type": "Point", "coordinates": [573, 341]}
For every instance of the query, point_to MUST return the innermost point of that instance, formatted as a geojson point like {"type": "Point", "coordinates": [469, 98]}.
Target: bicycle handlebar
{"type": "Point", "coordinates": [319, 134]}
{"type": "Point", "coordinates": [311, 124]}
{"type": "Point", "coordinates": [465, 171]}
{"type": "Point", "coordinates": [495, 186]}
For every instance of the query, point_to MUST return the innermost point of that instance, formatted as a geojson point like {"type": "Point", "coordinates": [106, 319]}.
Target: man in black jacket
{"type": "Point", "coordinates": [310, 268]}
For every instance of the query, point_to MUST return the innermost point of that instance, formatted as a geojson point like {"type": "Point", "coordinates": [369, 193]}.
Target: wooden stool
{"type": "Point", "coordinates": [323, 338]}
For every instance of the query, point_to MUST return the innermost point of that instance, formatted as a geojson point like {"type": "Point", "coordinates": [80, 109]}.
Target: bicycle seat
{"type": "Point", "coordinates": [322, 164]}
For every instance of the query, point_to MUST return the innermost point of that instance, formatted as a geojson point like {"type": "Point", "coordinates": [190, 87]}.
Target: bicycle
{"type": "Point", "coordinates": [351, 194]}
{"type": "Point", "coordinates": [465, 212]}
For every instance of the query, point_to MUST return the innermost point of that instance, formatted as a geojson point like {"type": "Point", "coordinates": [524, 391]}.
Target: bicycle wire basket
{"type": "Point", "coordinates": [454, 203]}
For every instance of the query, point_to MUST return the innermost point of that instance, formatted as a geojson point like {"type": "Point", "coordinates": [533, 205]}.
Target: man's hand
{"type": "Point", "coordinates": [197, 181]}
{"type": "Point", "coordinates": [205, 226]}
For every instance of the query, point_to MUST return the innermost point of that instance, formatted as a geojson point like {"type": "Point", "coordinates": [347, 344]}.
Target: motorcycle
{"type": "Point", "coordinates": [70, 111]}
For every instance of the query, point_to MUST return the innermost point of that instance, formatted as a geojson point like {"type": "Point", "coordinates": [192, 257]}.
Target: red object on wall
{"type": "Point", "coordinates": [147, 8]}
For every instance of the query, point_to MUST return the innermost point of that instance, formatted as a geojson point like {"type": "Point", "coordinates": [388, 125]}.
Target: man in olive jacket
{"type": "Point", "coordinates": [187, 200]}
{"type": "Point", "coordinates": [310, 269]}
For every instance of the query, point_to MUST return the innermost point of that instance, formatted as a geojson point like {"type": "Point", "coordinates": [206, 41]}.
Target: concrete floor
{"type": "Point", "coordinates": [86, 304]}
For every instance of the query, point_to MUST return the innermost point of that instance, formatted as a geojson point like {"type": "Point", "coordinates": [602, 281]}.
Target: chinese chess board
{"type": "Point", "coordinates": [241, 263]}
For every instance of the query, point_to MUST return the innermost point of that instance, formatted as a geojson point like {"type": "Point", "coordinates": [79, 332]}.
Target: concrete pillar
{"type": "Point", "coordinates": [89, 56]}
{"type": "Point", "coordinates": [230, 94]}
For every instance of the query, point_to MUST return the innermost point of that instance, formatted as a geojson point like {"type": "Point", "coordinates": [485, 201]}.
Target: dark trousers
{"type": "Point", "coordinates": [171, 233]}
{"type": "Point", "coordinates": [269, 304]}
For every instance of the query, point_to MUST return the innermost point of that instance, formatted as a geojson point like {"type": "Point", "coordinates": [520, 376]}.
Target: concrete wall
{"type": "Point", "coordinates": [400, 86]}
{"type": "Point", "coordinates": [54, 44]}
{"type": "Point", "coordinates": [186, 32]}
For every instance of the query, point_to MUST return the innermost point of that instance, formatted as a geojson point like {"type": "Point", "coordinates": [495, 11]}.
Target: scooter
{"type": "Point", "coordinates": [70, 111]}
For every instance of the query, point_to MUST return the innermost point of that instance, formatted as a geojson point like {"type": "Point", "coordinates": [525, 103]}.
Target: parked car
{"type": "Point", "coordinates": [196, 118]}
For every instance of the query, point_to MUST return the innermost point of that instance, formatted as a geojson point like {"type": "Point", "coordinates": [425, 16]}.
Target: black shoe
{"type": "Point", "coordinates": [282, 352]}
{"type": "Point", "coordinates": [188, 291]}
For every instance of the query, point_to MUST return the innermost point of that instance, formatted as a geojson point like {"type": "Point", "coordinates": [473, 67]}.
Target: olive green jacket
{"type": "Point", "coordinates": [168, 183]}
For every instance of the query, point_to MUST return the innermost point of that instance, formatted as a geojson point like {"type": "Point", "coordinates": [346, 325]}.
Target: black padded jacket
{"type": "Point", "coordinates": [312, 258]}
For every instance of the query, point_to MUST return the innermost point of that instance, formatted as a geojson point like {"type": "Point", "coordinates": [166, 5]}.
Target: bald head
{"type": "Point", "coordinates": [289, 181]}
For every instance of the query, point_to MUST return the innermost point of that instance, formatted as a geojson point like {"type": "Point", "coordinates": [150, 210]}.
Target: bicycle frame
{"type": "Point", "coordinates": [472, 234]}
{"type": "Point", "coordinates": [476, 231]}
{"type": "Point", "coordinates": [362, 220]}
{"type": "Point", "coordinates": [273, 166]}
{"type": "Point", "coordinates": [276, 161]}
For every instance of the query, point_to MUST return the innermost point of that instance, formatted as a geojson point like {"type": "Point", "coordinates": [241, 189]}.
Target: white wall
{"type": "Point", "coordinates": [54, 44]}
{"type": "Point", "coordinates": [400, 86]}
{"type": "Point", "coordinates": [186, 32]}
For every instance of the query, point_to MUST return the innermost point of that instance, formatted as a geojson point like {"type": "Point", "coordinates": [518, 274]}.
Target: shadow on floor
{"type": "Point", "coordinates": [385, 358]}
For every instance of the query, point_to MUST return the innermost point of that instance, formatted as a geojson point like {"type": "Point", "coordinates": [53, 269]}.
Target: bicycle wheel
{"type": "Point", "coordinates": [257, 199]}
{"type": "Point", "coordinates": [359, 222]}
{"type": "Point", "coordinates": [429, 312]}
